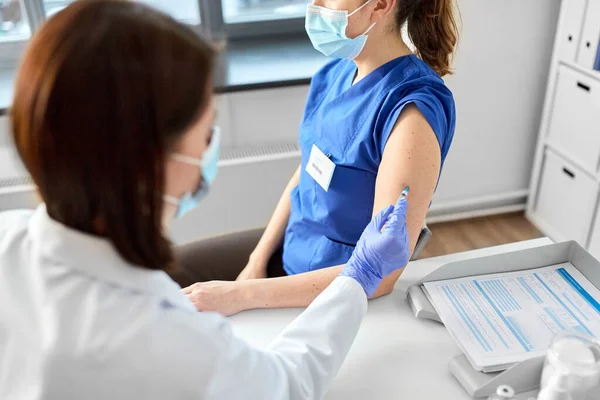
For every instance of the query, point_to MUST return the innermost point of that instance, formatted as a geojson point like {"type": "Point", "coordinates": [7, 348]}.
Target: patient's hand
{"type": "Point", "coordinates": [218, 296]}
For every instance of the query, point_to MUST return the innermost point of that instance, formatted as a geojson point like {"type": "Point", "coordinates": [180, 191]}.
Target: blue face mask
{"type": "Point", "coordinates": [326, 29]}
{"type": "Point", "coordinates": [208, 165]}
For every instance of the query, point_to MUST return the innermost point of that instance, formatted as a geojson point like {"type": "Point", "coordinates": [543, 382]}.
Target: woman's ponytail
{"type": "Point", "coordinates": [432, 29]}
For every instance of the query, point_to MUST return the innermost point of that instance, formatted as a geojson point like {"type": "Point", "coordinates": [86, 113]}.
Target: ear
{"type": "Point", "coordinates": [383, 8]}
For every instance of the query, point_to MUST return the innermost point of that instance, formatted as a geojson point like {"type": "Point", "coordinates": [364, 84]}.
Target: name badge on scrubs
{"type": "Point", "coordinates": [320, 167]}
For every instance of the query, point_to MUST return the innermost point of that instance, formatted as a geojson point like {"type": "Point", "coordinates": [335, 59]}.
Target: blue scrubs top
{"type": "Point", "coordinates": [351, 125]}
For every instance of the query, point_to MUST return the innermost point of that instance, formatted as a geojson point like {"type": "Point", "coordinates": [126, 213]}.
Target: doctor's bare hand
{"type": "Point", "coordinates": [383, 248]}
{"type": "Point", "coordinates": [218, 296]}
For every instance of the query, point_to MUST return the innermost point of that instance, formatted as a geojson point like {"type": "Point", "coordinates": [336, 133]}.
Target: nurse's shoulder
{"type": "Point", "coordinates": [418, 76]}
{"type": "Point", "coordinates": [419, 84]}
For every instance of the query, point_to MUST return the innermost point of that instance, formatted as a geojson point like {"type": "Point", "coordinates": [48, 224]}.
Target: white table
{"type": "Point", "coordinates": [395, 356]}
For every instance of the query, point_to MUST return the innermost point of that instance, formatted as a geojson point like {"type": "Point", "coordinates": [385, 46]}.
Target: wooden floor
{"type": "Point", "coordinates": [454, 237]}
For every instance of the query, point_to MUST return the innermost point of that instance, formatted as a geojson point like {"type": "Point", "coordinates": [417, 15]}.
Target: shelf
{"type": "Point", "coordinates": [586, 71]}
{"type": "Point", "coordinates": [568, 159]}
{"type": "Point", "coordinates": [569, 217]}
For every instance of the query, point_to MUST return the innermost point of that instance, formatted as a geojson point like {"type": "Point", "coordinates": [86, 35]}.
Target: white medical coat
{"type": "Point", "coordinates": [78, 322]}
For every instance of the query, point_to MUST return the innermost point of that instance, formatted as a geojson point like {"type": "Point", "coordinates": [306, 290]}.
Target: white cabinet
{"type": "Point", "coordinates": [575, 119]}
{"type": "Point", "coordinates": [590, 36]}
{"type": "Point", "coordinates": [564, 193]}
{"type": "Point", "coordinates": [566, 200]}
{"type": "Point", "coordinates": [569, 32]}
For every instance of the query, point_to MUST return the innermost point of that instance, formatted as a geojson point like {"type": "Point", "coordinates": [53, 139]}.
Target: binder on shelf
{"type": "Point", "coordinates": [590, 35]}
{"type": "Point", "coordinates": [524, 376]}
{"type": "Point", "coordinates": [568, 36]}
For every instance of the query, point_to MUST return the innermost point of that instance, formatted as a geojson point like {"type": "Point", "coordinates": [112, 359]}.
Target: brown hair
{"type": "Point", "coordinates": [105, 90]}
{"type": "Point", "coordinates": [432, 29]}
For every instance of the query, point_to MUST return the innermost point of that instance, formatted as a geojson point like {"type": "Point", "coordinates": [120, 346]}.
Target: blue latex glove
{"type": "Point", "coordinates": [379, 253]}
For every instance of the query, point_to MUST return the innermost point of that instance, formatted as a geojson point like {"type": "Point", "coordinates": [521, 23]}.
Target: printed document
{"type": "Point", "coordinates": [499, 320]}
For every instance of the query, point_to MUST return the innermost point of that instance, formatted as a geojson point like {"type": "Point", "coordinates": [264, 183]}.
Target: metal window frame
{"type": "Point", "coordinates": [36, 14]}
{"type": "Point", "coordinates": [211, 17]}
{"type": "Point", "coordinates": [212, 13]}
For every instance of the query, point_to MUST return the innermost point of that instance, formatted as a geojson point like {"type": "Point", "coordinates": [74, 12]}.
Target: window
{"type": "Point", "coordinates": [232, 11]}
{"type": "Point", "coordinates": [14, 23]}
{"type": "Point", "coordinates": [235, 11]}
{"type": "Point", "coordinates": [53, 6]}
{"type": "Point", "coordinates": [236, 19]}
{"type": "Point", "coordinates": [183, 10]}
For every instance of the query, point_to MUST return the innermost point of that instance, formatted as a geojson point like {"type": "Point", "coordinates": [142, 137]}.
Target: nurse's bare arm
{"type": "Point", "coordinates": [272, 237]}
{"type": "Point", "coordinates": [411, 158]}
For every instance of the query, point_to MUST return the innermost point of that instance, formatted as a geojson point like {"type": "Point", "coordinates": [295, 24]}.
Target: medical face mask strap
{"type": "Point", "coordinates": [197, 162]}
{"type": "Point", "coordinates": [359, 8]}
{"type": "Point", "coordinates": [208, 166]}
{"type": "Point", "coordinates": [174, 201]}
{"type": "Point", "coordinates": [369, 29]}
{"type": "Point", "coordinates": [187, 159]}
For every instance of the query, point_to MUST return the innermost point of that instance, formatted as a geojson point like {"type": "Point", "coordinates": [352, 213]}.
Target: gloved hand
{"type": "Point", "coordinates": [379, 253]}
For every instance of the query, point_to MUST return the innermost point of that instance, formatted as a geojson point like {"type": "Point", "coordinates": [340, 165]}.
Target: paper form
{"type": "Point", "coordinates": [501, 319]}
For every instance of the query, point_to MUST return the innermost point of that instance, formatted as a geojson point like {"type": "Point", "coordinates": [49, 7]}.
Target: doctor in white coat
{"type": "Point", "coordinates": [113, 119]}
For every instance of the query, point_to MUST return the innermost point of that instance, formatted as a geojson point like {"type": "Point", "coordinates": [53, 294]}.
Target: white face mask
{"type": "Point", "coordinates": [326, 29]}
{"type": "Point", "coordinates": [209, 165]}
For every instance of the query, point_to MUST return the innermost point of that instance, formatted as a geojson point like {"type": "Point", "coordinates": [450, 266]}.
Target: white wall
{"type": "Point", "coordinates": [502, 65]}
{"type": "Point", "coordinates": [501, 68]}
